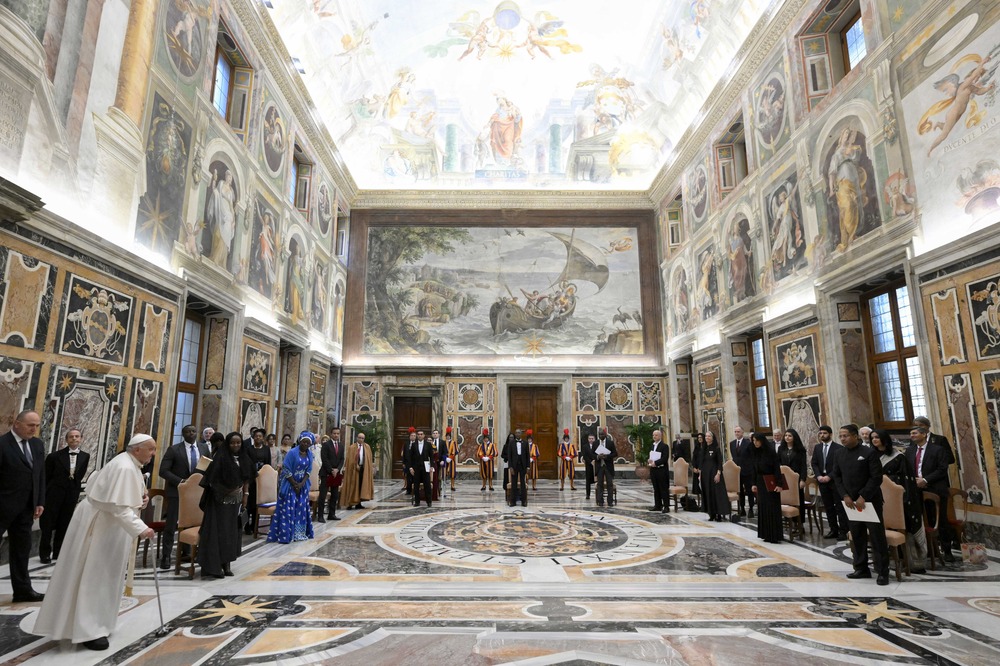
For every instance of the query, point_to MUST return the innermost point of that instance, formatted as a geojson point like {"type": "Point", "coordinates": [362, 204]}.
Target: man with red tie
{"type": "Point", "coordinates": [330, 475]}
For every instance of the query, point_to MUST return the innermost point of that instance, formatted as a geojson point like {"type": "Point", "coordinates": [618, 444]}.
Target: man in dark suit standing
{"type": "Point", "coordinates": [659, 473]}
{"type": "Point", "coordinates": [739, 453]}
{"type": "Point", "coordinates": [604, 468]}
{"type": "Point", "coordinates": [936, 439]}
{"type": "Point", "coordinates": [929, 463]}
{"type": "Point", "coordinates": [22, 496]}
{"type": "Point", "coordinates": [179, 462]}
{"type": "Point", "coordinates": [421, 464]}
{"type": "Point", "coordinates": [518, 461]}
{"type": "Point", "coordinates": [505, 456]}
{"type": "Point", "coordinates": [332, 464]}
{"type": "Point", "coordinates": [824, 459]}
{"type": "Point", "coordinates": [858, 478]}
{"type": "Point", "coordinates": [64, 473]}
{"type": "Point", "coordinates": [588, 457]}
{"type": "Point", "coordinates": [681, 448]}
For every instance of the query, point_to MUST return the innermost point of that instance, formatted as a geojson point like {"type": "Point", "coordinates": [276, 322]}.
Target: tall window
{"type": "Point", "coordinates": [185, 408]}
{"type": "Point", "coordinates": [301, 178]}
{"type": "Point", "coordinates": [231, 82]}
{"type": "Point", "coordinates": [894, 370]}
{"type": "Point", "coordinates": [758, 383]}
{"type": "Point", "coordinates": [223, 83]}
{"type": "Point", "coordinates": [852, 43]}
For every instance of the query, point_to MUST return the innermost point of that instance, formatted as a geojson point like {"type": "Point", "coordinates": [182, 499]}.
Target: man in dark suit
{"type": "Point", "coordinates": [929, 463]}
{"type": "Point", "coordinates": [421, 464]}
{"type": "Point", "coordinates": [858, 478]}
{"type": "Point", "coordinates": [332, 464]}
{"type": "Point", "coordinates": [588, 457]}
{"type": "Point", "coordinates": [739, 453]}
{"type": "Point", "coordinates": [659, 473]}
{"type": "Point", "coordinates": [824, 459]}
{"type": "Point", "coordinates": [22, 496]}
{"type": "Point", "coordinates": [505, 456]}
{"type": "Point", "coordinates": [604, 468]}
{"type": "Point", "coordinates": [64, 474]}
{"type": "Point", "coordinates": [179, 462]}
{"type": "Point", "coordinates": [681, 448]}
{"type": "Point", "coordinates": [518, 460]}
{"type": "Point", "coordinates": [936, 439]}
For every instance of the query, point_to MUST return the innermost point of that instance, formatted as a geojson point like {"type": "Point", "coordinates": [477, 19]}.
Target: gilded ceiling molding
{"type": "Point", "coordinates": [278, 62]}
{"type": "Point", "coordinates": [499, 199]}
{"type": "Point", "coordinates": [750, 57]}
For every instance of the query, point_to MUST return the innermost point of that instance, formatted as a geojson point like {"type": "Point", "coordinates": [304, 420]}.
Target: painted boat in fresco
{"type": "Point", "coordinates": [584, 262]}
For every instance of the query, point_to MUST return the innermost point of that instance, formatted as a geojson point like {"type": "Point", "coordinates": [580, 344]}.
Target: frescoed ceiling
{"type": "Point", "coordinates": [533, 94]}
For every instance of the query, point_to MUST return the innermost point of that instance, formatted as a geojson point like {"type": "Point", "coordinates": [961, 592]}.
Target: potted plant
{"type": "Point", "coordinates": [641, 436]}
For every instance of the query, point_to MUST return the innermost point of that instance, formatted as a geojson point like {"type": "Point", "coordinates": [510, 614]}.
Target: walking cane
{"type": "Point", "coordinates": [159, 604]}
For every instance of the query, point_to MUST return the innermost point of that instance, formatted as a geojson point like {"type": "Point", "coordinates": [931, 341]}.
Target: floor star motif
{"type": "Point", "coordinates": [878, 611]}
{"type": "Point", "coordinates": [245, 610]}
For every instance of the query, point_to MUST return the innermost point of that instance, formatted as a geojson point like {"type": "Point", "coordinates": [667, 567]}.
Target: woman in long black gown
{"type": "Point", "coordinates": [696, 456]}
{"type": "Point", "coordinates": [898, 469]}
{"type": "Point", "coordinates": [225, 480]}
{"type": "Point", "coordinates": [715, 499]}
{"type": "Point", "coordinates": [792, 453]}
{"type": "Point", "coordinates": [765, 461]}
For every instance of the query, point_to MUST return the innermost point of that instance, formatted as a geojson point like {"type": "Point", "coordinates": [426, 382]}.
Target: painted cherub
{"type": "Point", "coordinates": [959, 99]}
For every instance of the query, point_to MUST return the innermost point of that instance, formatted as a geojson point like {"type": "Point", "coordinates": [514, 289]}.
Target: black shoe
{"type": "Point", "coordinates": [842, 536]}
{"type": "Point", "coordinates": [333, 518]}
{"type": "Point", "coordinates": [320, 519]}
{"type": "Point", "coordinates": [97, 644]}
{"type": "Point", "coordinates": [45, 560]}
{"type": "Point", "coordinates": [947, 556]}
{"type": "Point", "coordinates": [656, 508]}
{"type": "Point", "coordinates": [918, 571]}
{"type": "Point", "coordinates": [428, 505]}
{"type": "Point", "coordinates": [666, 509]}
{"type": "Point", "coordinates": [750, 513]}
{"type": "Point", "coordinates": [864, 573]}
{"type": "Point", "coordinates": [587, 497]}
{"type": "Point", "coordinates": [217, 576]}
{"type": "Point", "coordinates": [882, 580]}
{"type": "Point", "coordinates": [743, 512]}
{"type": "Point", "coordinates": [165, 564]}
{"type": "Point", "coordinates": [830, 535]}
{"type": "Point", "coordinates": [226, 571]}
{"type": "Point", "coordinates": [26, 597]}
{"type": "Point", "coordinates": [360, 506]}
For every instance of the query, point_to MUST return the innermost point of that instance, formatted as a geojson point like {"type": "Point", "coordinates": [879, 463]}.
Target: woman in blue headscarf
{"type": "Point", "coordinates": [291, 521]}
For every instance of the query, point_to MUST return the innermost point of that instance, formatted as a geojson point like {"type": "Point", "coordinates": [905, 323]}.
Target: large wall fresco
{"type": "Point", "coordinates": [523, 292]}
{"type": "Point", "coordinates": [543, 94]}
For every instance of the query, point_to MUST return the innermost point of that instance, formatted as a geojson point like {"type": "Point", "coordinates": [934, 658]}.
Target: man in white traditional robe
{"type": "Point", "coordinates": [89, 578]}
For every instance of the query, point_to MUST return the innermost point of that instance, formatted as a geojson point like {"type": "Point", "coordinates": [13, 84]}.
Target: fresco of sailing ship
{"type": "Point", "coordinates": [550, 309]}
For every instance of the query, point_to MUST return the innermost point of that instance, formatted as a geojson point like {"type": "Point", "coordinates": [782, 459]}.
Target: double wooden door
{"type": "Point", "coordinates": [535, 408]}
{"type": "Point", "coordinates": [407, 411]}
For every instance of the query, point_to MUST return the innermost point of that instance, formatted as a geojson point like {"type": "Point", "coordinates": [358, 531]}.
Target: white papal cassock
{"type": "Point", "coordinates": [82, 601]}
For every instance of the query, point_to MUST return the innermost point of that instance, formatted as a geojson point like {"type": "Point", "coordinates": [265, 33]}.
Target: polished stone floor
{"type": "Point", "coordinates": [473, 581]}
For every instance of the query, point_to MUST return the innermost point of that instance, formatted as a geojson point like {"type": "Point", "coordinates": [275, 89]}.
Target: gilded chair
{"type": "Point", "coordinates": [791, 515]}
{"type": "Point", "coordinates": [681, 482]}
{"type": "Point", "coordinates": [267, 497]}
{"type": "Point", "coordinates": [189, 520]}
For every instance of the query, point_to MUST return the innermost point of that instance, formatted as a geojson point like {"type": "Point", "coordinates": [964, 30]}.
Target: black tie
{"type": "Point", "coordinates": [26, 448]}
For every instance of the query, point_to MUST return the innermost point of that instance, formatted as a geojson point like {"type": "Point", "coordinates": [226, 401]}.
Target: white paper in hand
{"type": "Point", "coordinates": [427, 465]}
{"type": "Point", "coordinates": [602, 450]}
{"type": "Point", "coordinates": [866, 516]}
{"type": "Point", "coordinates": [654, 456]}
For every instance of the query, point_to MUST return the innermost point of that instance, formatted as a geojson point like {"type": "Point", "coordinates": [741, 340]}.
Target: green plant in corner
{"type": "Point", "coordinates": [641, 434]}
{"type": "Point", "coordinates": [377, 436]}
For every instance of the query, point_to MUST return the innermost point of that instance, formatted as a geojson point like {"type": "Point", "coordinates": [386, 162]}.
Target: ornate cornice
{"type": "Point", "coordinates": [501, 199]}
{"type": "Point", "coordinates": [765, 34]}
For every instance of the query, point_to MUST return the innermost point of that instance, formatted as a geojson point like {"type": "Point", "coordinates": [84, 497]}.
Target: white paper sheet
{"type": "Point", "coordinates": [602, 450]}
{"type": "Point", "coordinates": [866, 516]}
{"type": "Point", "coordinates": [654, 456]}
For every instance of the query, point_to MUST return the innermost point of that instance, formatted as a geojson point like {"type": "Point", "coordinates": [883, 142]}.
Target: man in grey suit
{"type": "Point", "coordinates": [179, 462]}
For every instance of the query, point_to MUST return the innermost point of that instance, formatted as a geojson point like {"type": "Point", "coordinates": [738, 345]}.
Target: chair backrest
{"type": "Point", "coordinates": [267, 485]}
{"type": "Point", "coordinates": [790, 495]}
{"type": "Point", "coordinates": [892, 505]}
{"type": "Point", "coordinates": [314, 475]}
{"type": "Point", "coordinates": [154, 509]}
{"type": "Point", "coordinates": [189, 492]}
{"type": "Point", "coordinates": [681, 472]}
{"type": "Point", "coordinates": [956, 495]}
{"type": "Point", "coordinates": [731, 472]}
{"type": "Point", "coordinates": [931, 514]}
{"type": "Point", "coordinates": [812, 491]}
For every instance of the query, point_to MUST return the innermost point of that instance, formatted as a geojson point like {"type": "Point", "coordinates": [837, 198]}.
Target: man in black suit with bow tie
{"type": "Point", "coordinates": [518, 461]}
{"type": "Point", "coordinates": [65, 470]}
{"type": "Point", "coordinates": [179, 462]}
{"type": "Point", "coordinates": [22, 496]}
{"type": "Point", "coordinates": [739, 453]}
{"type": "Point", "coordinates": [421, 464]}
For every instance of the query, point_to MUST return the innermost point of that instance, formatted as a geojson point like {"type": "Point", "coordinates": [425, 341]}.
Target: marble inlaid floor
{"type": "Point", "coordinates": [472, 581]}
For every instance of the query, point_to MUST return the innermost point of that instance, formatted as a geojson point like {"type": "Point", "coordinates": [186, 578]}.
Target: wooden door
{"type": "Point", "coordinates": [407, 411]}
{"type": "Point", "coordinates": [536, 408]}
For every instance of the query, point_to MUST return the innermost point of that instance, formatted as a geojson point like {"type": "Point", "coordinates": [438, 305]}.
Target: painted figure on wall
{"type": "Point", "coordinates": [742, 281]}
{"type": "Point", "coordinates": [784, 219]}
{"type": "Point", "coordinates": [324, 209]}
{"type": "Point", "coordinates": [273, 139]}
{"type": "Point", "coordinates": [220, 214]}
{"type": "Point", "coordinates": [263, 249]}
{"type": "Point", "coordinates": [708, 284]}
{"type": "Point", "coordinates": [959, 92]}
{"type": "Point", "coordinates": [984, 303]}
{"type": "Point", "coordinates": [319, 297]}
{"type": "Point", "coordinates": [852, 203]}
{"type": "Point", "coordinates": [697, 195]}
{"type": "Point", "coordinates": [159, 217]}
{"type": "Point", "coordinates": [399, 96]}
{"type": "Point", "coordinates": [505, 132]}
{"type": "Point", "coordinates": [682, 303]}
{"type": "Point", "coordinates": [338, 311]}
{"type": "Point", "coordinates": [769, 112]}
{"type": "Point", "coordinates": [295, 280]}
{"type": "Point", "coordinates": [185, 26]}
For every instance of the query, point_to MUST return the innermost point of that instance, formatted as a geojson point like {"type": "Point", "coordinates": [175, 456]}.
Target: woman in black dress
{"type": "Point", "coordinates": [764, 461]}
{"type": "Point", "coordinates": [715, 499]}
{"type": "Point", "coordinates": [225, 480]}
{"type": "Point", "coordinates": [897, 468]}
{"type": "Point", "coordinates": [792, 453]}
{"type": "Point", "coordinates": [696, 455]}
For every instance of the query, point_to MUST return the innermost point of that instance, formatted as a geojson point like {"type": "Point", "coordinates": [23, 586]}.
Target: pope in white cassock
{"type": "Point", "coordinates": [84, 595]}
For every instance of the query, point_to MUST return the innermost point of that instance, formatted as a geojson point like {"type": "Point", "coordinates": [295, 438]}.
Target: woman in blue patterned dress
{"type": "Point", "coordinates": [291, 521]}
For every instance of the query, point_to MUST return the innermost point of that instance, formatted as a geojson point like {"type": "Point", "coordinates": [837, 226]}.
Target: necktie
{"type": "Point", "coordinates": [826, 452]}
{"type": "Point", "coordinates": [920, 456]}
{"type": "Point", "coordinates": [193, 457]}
{"type": "Point", "coordinates": [26, 448]}
{"type": "Point", "coordinates": [334, 447]}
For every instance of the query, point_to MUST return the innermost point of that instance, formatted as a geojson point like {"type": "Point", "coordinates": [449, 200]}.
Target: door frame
{"type": "Point", "coordinates": [388, 411]}
{"type": "Point", "coordinates": [564, 397]}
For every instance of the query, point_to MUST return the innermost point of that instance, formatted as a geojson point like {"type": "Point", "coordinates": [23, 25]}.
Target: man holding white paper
{"type": "Point", "coordinates": [659, 472]}
{"type": "Point", "coordinates": [421, 469]}
{"type": "Point", "coordinates": [858, 478]}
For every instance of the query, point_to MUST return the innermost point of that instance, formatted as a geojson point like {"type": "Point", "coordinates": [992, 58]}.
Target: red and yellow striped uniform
{"type": "Point", "coordinates": [567, 467]}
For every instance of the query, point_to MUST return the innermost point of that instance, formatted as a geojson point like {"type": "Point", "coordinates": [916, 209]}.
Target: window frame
{"type": "Point", "coordinates": [899, 354]}
{"type": "Point", "coordinates": [220, 54]}
{"type": "Point", "coordinates": [189, 388]}
{"type": "Point", "coordinates": [758, 383]}
{"type": "Point", "coordinates": [845, 46]}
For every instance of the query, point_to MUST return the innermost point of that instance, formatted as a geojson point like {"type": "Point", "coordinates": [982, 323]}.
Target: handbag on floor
{"type": "Point", "coordinates": [974, 553]}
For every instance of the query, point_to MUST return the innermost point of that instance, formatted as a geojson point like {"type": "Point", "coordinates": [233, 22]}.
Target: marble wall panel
{"type": "Point", "coordinates": [215, 358]}
{"type": "Point", "coordinates": [616, 428]}
{"type": "Point", "coordinates": [856, 375]}
{"type": "Point", "coordinates": [18, 387]}
{"type": "Point", "coordinates": [741, 385]}
{"type": "Point", "coordinates": [804, 415]}
{"type": "Point", "coordinates": [153, 338]}
{"type": "Point", "coordinates": [650, 396]}
{"type": "Point", "coordinates": [802, 404]}
{"type": "Point", "coordinates": [948, 327]}
{"type": "Point", "coordinates": [984, 311]}
{"type": "Point", "coordinates": [588, 396]}
{"type": "Point", "coordinates": [258, 366]}
{"type": "Point", "coordinates": [144, 412]}
{"type": "Point", "coordinates": [96, 321]}
{"type": "Point", "coordinates": [991, 388]}
{"type": "Point", "coordinates": [85, 403]}
{"type": "Point", "coordinates": [314, 421]}
{"type": "Point", "coordinates": [614, 402]}
{"type": "Point", "coordinates": [26, 293]}
{"type": "Point", "coordinates": [290, 390]}
{"type": "Point", "coordinates": [288, 422]}
{"type": "Point", "coordinates": [211, 410]}
{"type": "Point", "coordinates": [618, 397]}
{"type": "Point", "coordinates": [253, 414]}
{"type": "Point", "coordinates": [317, 386]}
{"type": "Point", "coordinates": [796, 364]}
{"type": "Point", "coordinates": [470, 430]}
{"type": "Point", "coordinates": [684, 420]}
{"type": "Point", "coordinates": [964, 418]}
